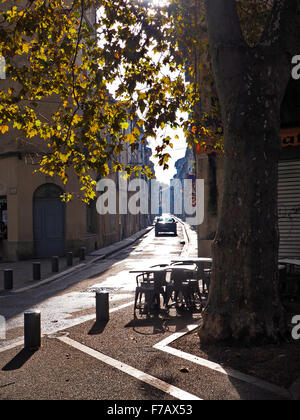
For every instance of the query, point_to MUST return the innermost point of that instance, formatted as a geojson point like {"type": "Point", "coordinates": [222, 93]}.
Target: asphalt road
{"type": "Point", "coordinates": [71, 300]}
{"type": "Point", "coordinates": [114, 361]}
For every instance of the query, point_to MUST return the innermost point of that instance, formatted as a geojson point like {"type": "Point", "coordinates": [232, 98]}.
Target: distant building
{"type": "Point", "coordinates": [185, 168]}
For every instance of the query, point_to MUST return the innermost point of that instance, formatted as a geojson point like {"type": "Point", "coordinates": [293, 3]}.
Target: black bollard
{"type": "Point", "coordinates": [8, 279]}
{"type": "Point", "coordinates": [69, 259]}
{"type": "Point", "coordinates": [32, 330]}
{"type": "Point", "coordinates": [102, 307]}
{"type": "Point", "coordinates": [55, 264]}
{"type": "Point", "coordinates": [36, 271]}
{"type": "Point", "coordinates": [82, 253]}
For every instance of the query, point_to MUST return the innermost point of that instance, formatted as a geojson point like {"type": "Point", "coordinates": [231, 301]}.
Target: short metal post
{"type": "Point", "coordinates": [82, 253]}
{"type": "Point", "coordinates": [8, 279]}
{"type": "Point", "coordinates": [102, 306]}
{"type": "Point", "coordinates": [32, 330]}
{"type": "Point", "coordinates": [37, 271]}
{"type": "Point", "coordinates": [69, 259]}
{"type": "Point", "coordinates": [55, 264]}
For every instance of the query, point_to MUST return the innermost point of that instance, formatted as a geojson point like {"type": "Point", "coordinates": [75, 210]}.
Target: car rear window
{"type": "Point", "coordinates": [166, 220]}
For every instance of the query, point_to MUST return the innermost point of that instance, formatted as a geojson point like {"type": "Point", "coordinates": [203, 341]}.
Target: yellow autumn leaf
{"type": "Point", "coordinates": [25, 48]}
{"type": "Point", "coordinates": [130, 138]}
{"type": "Point", "coordinates": [4, 128]}
{"type": "Point", "coordinates": [77, 119]}
{"type": "Point", "coordinates": [64, 158]}
{"type": "Point", "coordinates": [136, 132]}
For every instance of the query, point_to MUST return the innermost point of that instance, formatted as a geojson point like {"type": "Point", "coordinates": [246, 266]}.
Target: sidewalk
{"type": "Point", "coordinates": [191, 242]}
{"type": "Point", "coordinates": [123, 359]}
{"type": "Point", "coordinates": [23, 271]}
{"type": "Point", "coordinates": [126, 358]}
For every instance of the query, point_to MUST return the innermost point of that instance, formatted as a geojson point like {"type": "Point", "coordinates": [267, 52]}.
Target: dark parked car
{"type": "Point", "coordinates": [165, 225]}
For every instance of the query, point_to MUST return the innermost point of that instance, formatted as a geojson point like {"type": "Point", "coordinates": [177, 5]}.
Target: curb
{"type": "Point", "coordinates": [113, 249]}
{"type": "Point", "coordinates": [119, 246]}
{"type": "Point", "coordinates": [48, 280]}
{"type": "Point", "coordinates": [187, 239]}
{"type": "Point", "coordinates": [185, 249]}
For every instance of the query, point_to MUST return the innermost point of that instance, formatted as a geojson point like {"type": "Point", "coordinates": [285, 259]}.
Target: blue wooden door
{"type": "Point", "coordinates": [49, 227]}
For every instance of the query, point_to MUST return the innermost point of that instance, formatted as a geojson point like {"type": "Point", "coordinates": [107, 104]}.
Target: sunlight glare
{"type": "Point", "coordinates": [161, 3]}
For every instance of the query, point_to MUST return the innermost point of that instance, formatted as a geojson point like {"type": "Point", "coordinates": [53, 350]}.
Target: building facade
{"type": "Point", "coordinates": [210, 167]}
{"type": "Point", "coordinates": [289, 174]}
{"type": "Point", "coordinates": [185, 170]}
{"type": "Point", "coordinates": [34, 221]}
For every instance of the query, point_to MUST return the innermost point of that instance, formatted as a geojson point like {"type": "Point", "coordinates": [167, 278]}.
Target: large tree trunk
{"type": "Point", "coordinates": [244, 302]}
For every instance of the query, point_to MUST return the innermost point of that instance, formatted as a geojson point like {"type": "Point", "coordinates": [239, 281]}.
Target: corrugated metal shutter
{"type": "Point", "coordinates": [289, 208]}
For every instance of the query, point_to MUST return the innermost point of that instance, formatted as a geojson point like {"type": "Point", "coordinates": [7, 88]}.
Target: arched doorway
{"type": "Point", "coordinates": [48, 221]}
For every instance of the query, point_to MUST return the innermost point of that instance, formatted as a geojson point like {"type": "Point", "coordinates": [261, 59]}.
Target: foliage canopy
{"type": "Point", "coordinates": [109, 82]}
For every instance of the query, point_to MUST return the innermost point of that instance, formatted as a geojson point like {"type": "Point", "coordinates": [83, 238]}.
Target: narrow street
{"type": "Point", "coordinates": [71, 300]}
{"type": "Point", "coordinates": [125, 359]}
{"type": "Point", "coordinates": [150, 202]}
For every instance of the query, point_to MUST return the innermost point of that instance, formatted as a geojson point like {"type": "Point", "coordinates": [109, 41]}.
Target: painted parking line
{"type": "Point", "coordinates": [131, 371]}
{"type": "Point", "coordinates": [252, 380]}
{"type": "Point", "coordinates": [176, 336]}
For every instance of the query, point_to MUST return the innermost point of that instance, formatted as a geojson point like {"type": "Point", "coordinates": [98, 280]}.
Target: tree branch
{"type": "Point", "coordinates": [290, 27]}
{"type": "Point", "coordinates": [283, 27]}
{"type": "Point", "coordinates": [281, 38]}
{"type": "Point", "coordinates": [223, 22]}
{"type": "Point", "coordinates": [227, 48]}
{"type": "Point", "coordinates": [73, 68]}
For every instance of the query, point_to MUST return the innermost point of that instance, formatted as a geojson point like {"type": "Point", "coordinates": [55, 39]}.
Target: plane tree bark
{"type": "Point", "coordinates": [244, 303]}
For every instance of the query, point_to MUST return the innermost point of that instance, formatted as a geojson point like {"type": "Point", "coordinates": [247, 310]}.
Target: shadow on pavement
{"type": "Point", "coordinates": [26, 300]}
{"type": "Point", "coordinates": [161, 324]}
{"type": "Point", "coordinates": [19, 360]}
{"type": "Point", "coordinates": [98, 328]}
{"type": "Point", "coordinates": [239, 368]}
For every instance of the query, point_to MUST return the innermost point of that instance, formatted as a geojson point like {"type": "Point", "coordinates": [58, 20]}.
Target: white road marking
{"type": "Point", "coordinates": [131, 371]}
{"type": "Point", "coordinates": [175, 336]}
{"type": "Point", "coordinates": [252, 380]}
